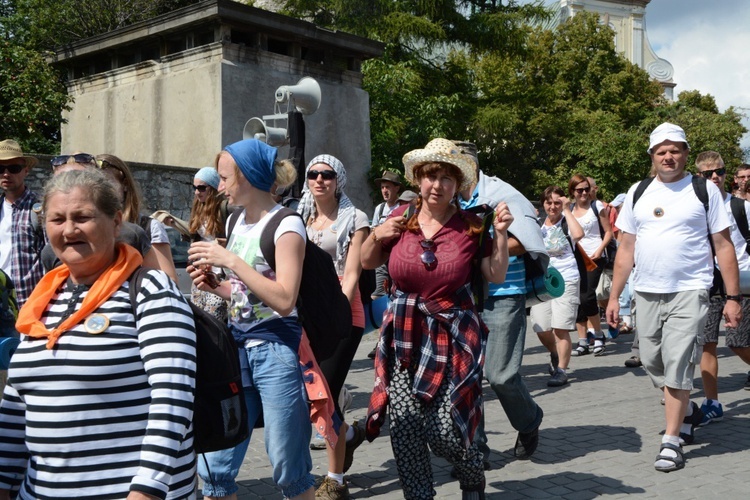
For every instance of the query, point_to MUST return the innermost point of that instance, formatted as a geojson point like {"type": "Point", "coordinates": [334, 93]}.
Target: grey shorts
{"type": "Point", "coordinates": [734, 337]}
{"type": "Point", "coordinates": [669, 326]}
{"type": "Point", "coordinates": [559, 313]}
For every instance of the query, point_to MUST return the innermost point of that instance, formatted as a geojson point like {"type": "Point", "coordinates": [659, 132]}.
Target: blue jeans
{"type": "Point", "coordinates": [506, 318]}
{"type": "Point", "coordinates": [278, 390]}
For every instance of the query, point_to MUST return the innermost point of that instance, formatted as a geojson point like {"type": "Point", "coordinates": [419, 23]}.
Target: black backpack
{"type": "Point", "coordinates": [323, 309]}
{"type": "Point", "coordinates": [220, 414]}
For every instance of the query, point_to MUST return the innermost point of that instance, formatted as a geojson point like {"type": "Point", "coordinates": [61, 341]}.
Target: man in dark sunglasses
{"type": "Point", "coordinates": [711, 166]}
{"type": "Point", "coordinates": [21, 235]}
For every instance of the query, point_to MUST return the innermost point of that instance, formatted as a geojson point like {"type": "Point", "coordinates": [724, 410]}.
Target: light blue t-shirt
{"type": "Point", "coordinates": [515, 278]}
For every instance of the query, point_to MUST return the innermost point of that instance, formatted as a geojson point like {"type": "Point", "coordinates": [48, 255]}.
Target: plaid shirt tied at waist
{"type": "Point", "coordinates": [436, 329]}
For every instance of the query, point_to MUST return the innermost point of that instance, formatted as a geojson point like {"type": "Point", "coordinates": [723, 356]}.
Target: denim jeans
{"type": "Point", "coordinates": [505, 317]}
{"type": "Point", "coordinates": [277, 388]}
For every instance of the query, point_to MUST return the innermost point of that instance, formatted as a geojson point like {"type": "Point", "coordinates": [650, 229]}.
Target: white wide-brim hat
{"type": "Point", "coordinates": [441, 151]}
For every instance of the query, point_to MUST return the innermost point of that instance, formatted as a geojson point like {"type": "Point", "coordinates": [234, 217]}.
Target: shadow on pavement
{"type": "Point", "coordinates": [563, 485]}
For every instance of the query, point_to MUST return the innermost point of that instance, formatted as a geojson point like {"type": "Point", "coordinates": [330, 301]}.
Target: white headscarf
{"type": "Point", "coordinates": [344, 225]}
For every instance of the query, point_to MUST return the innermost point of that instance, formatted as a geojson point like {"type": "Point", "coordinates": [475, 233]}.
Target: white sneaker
{"type": "Point", "coordinates": [345, 399]}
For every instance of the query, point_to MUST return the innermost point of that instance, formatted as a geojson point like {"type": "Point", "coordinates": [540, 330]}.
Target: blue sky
{"type": "Point", "coordinates": [708, 44]}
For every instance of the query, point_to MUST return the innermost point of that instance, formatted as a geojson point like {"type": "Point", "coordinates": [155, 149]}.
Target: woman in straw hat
{"type": "Point", "coordinates": [431, 349]}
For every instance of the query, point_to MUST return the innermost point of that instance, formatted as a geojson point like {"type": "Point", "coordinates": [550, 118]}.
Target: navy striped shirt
{"type": "Point", "coordinates": [101, 414]}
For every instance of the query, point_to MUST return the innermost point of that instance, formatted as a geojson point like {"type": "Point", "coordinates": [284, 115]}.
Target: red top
{"type": "Point", "coordinates": [454, 249]}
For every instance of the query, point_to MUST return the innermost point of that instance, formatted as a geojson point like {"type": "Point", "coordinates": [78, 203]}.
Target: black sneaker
{"type": "Point", "coordinates": [372, 353]}
{"type": "Point", "coordinates": [559, 379]}
{"type": "Point", "coordinates": [747, 382]}
{"type": "Point", "coordinates": [633, 362]}
{"type": "Point", "coordinates": [526, 444]}
{"type": "Point", "coordinates": [554, 362]}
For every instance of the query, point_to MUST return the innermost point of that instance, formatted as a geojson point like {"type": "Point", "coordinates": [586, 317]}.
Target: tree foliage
{"type": "Point", "coordinates": [32, 98]}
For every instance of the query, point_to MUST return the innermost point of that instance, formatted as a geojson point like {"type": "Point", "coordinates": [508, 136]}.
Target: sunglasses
{"type": "Point", "coordinates": [710, 173]}
{"type": "Point", "coordinates": [428, 255]}
{"type": "Point", "coordinates": [13, 169]}
{"type": "Point", "coordinates": [328, 175]}
{"type": "Point", "coordinates": [82, 158]}
{"type": "Point", "coordinates": [582, 190]}
{"type": "Point", "coordinates": [200, 189]}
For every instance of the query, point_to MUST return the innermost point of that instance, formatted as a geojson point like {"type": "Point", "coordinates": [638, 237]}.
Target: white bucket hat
{"type": "Point", "coordinates": [666, 132]}
{"type": "Point", "coordinates": [441, 151]}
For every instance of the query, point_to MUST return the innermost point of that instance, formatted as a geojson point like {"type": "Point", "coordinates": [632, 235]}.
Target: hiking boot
{"type": "Point", "coordinates": [581, 350]}
{"type": "Point", "coordinates": [559, 379]}
{"type": "Point", "coordinates": [330, 489]}
{"type": "Point", "coordinates": [554, 361]}
{"type": "Point", "coordinates": [353, 444]}
{"type": "Point", "coordinates": [526, 444]}
{"type": "Point", "coordinates": [633, 362]}
{"type": "Point", "coordinates": [318, 442]}
{"type": "Point", "coordinates": [711, 413]}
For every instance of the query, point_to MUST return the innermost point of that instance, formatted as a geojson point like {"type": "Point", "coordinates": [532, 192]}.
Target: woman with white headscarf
{"type": "Point", "coordinates": [336, 226]}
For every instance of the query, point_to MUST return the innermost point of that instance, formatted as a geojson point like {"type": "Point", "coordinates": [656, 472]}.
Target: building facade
{"type": "Point", "coordinates": [176, 89]}
{"type": "Point", "coordinates": [628, 19]}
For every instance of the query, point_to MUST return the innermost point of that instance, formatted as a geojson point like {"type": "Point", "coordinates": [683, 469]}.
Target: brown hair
{"type": "Point", "coordinates": [549, 191]}
{"type": "Point", "coordinates": [576, 180]}
{"type": "Point", "coordinates": [473, 224]}
{"type": "Point", "coordinates": [208, 213]}
{"type": "Point", "coordinates": [131, 205]}
{"type": "Point", "coordinates": [708, 159]}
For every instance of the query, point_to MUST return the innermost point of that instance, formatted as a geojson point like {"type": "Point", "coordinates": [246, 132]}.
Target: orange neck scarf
{"type": "Point", "coordinates": [30, 316]}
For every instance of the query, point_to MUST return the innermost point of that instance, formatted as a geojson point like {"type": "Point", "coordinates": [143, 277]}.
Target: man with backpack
{"type": "Point", "coordinates": [21, 234]}
{"type": "Point", "coordinates": [669, 231]}
{"type": "Point", "coordinates": [711, 166]}
{"type": "Point", "coordinates": [505, 310]}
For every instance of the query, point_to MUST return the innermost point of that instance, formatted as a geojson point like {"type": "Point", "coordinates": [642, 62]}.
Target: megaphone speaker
{"type": "Point", "coordinates": [305, 95]}
{"type": "Point", "coordinates": [256, 128]}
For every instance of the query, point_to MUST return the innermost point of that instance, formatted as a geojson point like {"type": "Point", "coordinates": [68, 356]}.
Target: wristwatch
{"type": "Point", "coordinates": [736, 298]}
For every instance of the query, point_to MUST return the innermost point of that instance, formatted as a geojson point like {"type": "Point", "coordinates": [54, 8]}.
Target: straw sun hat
{"type": "Point", "coordinates": [10, 149]}
{"type": "Point", "coordinates": [441, 151]}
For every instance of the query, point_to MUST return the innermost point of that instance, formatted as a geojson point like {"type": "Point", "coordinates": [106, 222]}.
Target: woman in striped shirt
{"type": "Point", "coordinates": [99, 401]}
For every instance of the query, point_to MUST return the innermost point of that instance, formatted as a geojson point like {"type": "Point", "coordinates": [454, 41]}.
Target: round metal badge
{"type": "Point", "coordinates": [658, 212]}
{"type": "Point", "coordinates": [96, 324]}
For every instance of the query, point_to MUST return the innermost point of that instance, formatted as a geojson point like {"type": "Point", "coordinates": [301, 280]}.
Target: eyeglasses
{"type": "Point", "coordinates": [710, 173]}
{"type": "Point", "coordinates": [328, 175]}
{"type": "Point", "coordinates": [13, 169]}
{"type": "Point", "coordinates": [582, 190]}
{"type": "Point", "coordinates": [200, 189]}
{"type": "Point", "coordinates": [428, 255]}
{"type": "Point", "coordinates": [82, 158]}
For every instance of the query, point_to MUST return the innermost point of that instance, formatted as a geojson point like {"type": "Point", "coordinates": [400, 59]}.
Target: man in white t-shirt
{"type": "Point", "coordinates": [711, 166]}
{"type": "Point", "coordinates": [667, 233]}
{"type": "Point", "coordinates": [389, 184]}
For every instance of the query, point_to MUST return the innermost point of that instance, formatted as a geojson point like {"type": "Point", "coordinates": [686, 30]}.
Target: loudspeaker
{"type": "Point", "coordinates": [256, 128]}
{"type": "Point", "coordinates": [305, 95]}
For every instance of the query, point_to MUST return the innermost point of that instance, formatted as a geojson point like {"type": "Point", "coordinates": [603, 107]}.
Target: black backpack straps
{"type": "Point", "coordinates": [267, 245]}
{"type": "Point", "coordinates": [233, 218]}
{"type": "Point", "coordinates": [740, 217]}
{"type": "Point", "coordinates": [641, 188]}
{"type": "Point", "coordinates": [701, 191]}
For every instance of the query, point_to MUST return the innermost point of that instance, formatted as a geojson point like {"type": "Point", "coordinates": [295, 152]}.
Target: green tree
{"type": "Point", "coordinates": [32, 98]}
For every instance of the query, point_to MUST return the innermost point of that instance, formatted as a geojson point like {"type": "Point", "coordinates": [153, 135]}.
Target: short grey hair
{"type": "Point", "coordinates": [96, 183]}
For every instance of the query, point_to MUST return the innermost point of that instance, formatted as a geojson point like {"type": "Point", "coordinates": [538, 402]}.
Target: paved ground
{"type": "Point", "coordinates": [599, 438]}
